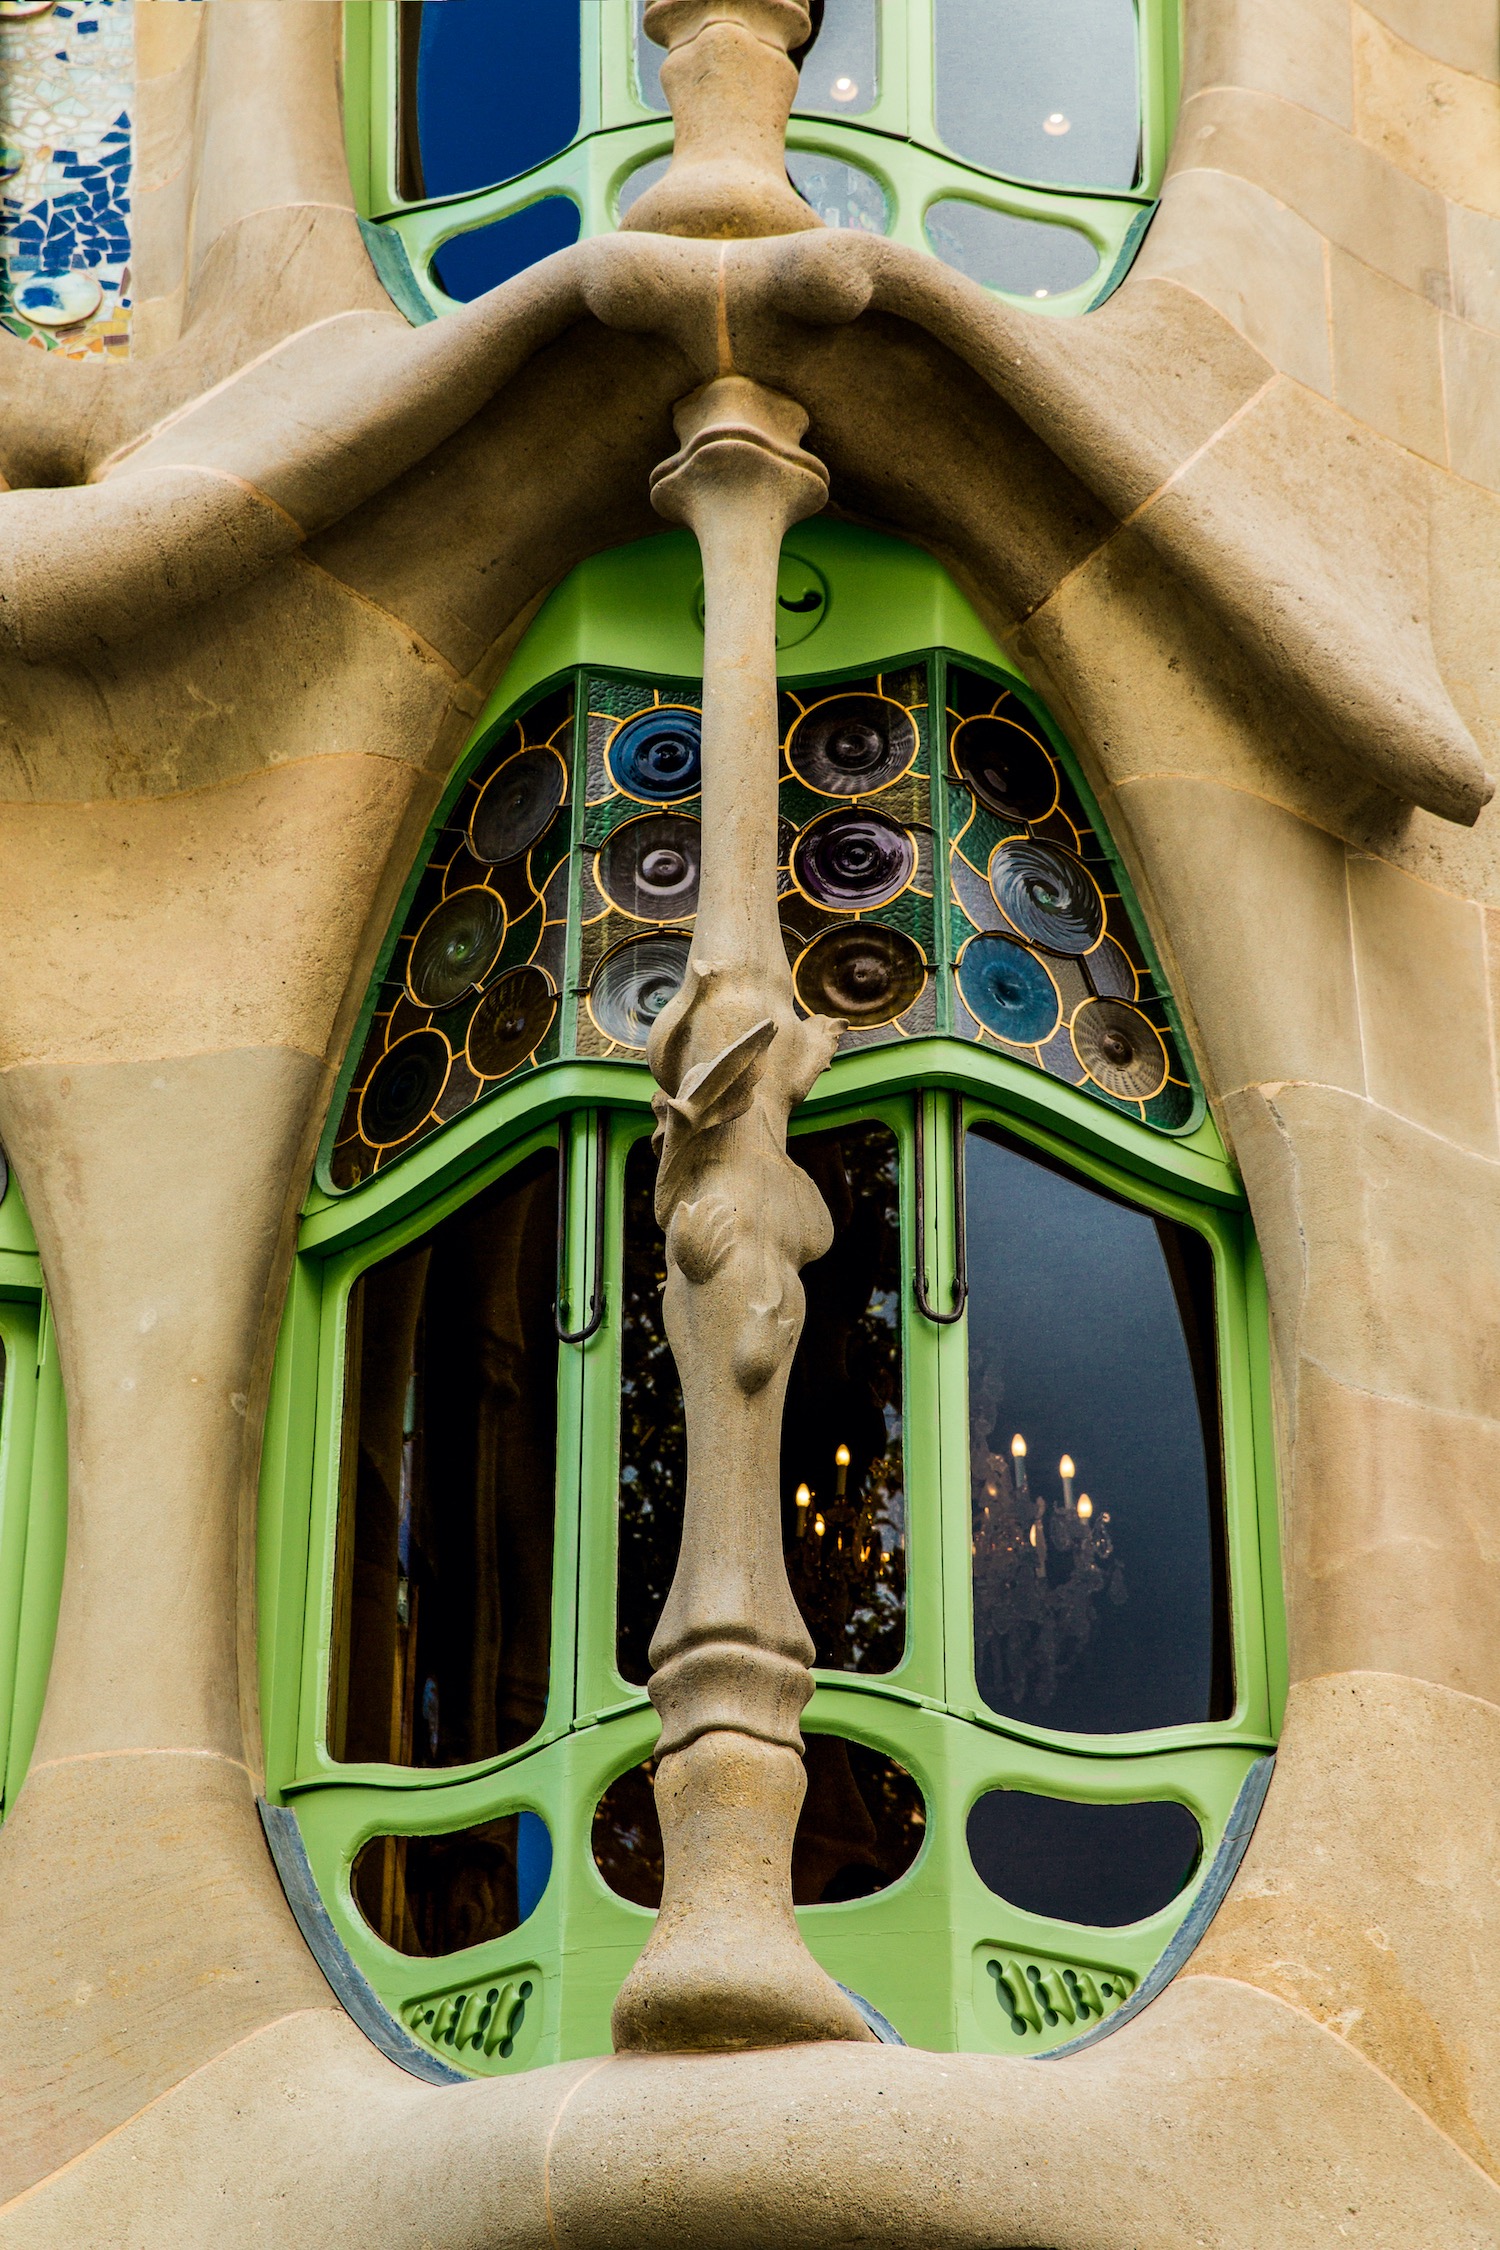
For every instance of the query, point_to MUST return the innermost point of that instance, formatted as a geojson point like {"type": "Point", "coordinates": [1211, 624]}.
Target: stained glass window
{"type": "Point", "coordinates": [1048, 961]}
{"type": "Point", "coordinates": [578, 828]}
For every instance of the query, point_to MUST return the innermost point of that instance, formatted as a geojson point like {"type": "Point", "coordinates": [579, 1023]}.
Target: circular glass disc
{"type": "Point", "coordinates": [455, 947]}
{"type": "Point", "coordinates": [510, 1022]}
{"type": "Point", "coordinates": [1008, 990]}
{"type": "Point", "coordinates": [853, 860]}
{"type": "Point", "coordinates": [649, 867]}
{"type": "Point", "coordinates": [1047, 895]}
{"type": "Point", "coordinates": [403, 1087]}
{"type": "Point", "coordinates": [864, 973]}
{"type": "Point", "coordinates": [633, 984]}
{"type": "Point", "coordinates": [852, 744]}
{"type": "Point", "coordinates": [1007, 768]}
{"type": "Point", "coordinates": [516, 805]}
{"type": "Point", "coordinates": [1121, 1049]}
{"type": "Point", "coordinates": [659, 755]}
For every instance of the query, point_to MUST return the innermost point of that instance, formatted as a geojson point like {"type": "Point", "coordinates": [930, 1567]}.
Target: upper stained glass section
{"type": "Point", "coordinates": [933, 878]}
{"type": "Point", "coordinates": [1048, 963]}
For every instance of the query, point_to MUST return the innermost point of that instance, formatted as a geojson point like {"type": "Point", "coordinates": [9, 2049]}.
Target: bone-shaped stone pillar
{"type": "Point", "coordinates": [726, 1966]}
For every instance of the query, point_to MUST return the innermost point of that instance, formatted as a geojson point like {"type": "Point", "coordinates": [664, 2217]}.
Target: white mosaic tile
{"type": "Point", "coordinates": [67, 86]}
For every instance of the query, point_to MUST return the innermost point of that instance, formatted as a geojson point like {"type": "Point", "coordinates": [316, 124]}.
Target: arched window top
{"type": "Point", "coordinates": [943, 874]}
{"type": "Point", "coordinates": [1021, 141]}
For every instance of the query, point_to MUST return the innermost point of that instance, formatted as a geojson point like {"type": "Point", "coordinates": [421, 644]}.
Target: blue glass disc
{"type": "Point", "coordinates": [659, 755]}
{"type": "Point", "coordinates": [1008, 990]}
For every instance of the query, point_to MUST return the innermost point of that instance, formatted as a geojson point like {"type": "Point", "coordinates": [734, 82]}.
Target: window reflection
{"type": "Point", "coordinates": [839, 76]}
{"type": "Point", "coordinates": [488, 89]}
{"type": "Point", "coordinates": [1100, 1600]}
{"type": "Point", "coordinates": [842, 194]}
{"type": "Point", "coordinates": [1040, 89]}
{"type": "Point", "coordinates": [842, 1475]}
{"type": "Point", "coordinates": [443, 1625]}
{"type": "Point", "coordinates": [860, 1828]}
{"type": "Point", "coordinates": [427, 1895]}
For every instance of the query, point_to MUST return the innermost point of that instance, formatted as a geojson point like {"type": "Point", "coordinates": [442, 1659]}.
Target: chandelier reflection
{"type": "Point", "coordinates": [1041, 1567]}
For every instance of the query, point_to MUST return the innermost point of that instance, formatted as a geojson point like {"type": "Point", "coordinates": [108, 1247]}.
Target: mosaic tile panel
{"type": "Point", "coordinates": [67, 85]}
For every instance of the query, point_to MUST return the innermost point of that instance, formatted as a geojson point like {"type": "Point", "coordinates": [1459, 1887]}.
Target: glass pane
{"type": "Point", "coordinates": [839, 76]}
{"type": "Point", "coordinates": [488, 89]}
{"type": "Point", "coordinates": [1027, 257]}
{"type": "Point", "coordinates": [468, 265]}
{"type": "Point", "coordinates": [644, 176]}
{"type": "Point", "coordinates": [838, 65]}
{"type": "Point", "coordinates": [842, 1489]}
{"type": "Point", "coordinates": [841, 194]}
{"type": "Point", "coordinates": [1100, 1864]}
{"type": "Point", "coordinates": [860, 1828]}
{"type": "Point", "coordinates": [443, 1633]}
{"type": "Point", "coordinates": [1100, 1603]}
{"type": "Point", "coordinates": [653, 1440]}
{"type": "Point", "coordinates": [648, 61]}
{"type": "Point", "coordinates": [437, 1894]}
{"type": "Point", "coordinates": [1040, 89]}
{"type": "Point", "coordinates": [841, 1438]}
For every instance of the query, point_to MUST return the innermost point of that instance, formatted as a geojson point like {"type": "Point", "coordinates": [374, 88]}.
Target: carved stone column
{"type": "Point", "coordinates": [726, 1966]}
{"type": "Point", "coordinates": [730, 81]}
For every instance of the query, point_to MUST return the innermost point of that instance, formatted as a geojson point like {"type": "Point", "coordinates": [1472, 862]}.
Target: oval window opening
{"type": "Point", "coordinates": [1024, 257]}
{"type": "Point", "coordinates": [1102, 1865]}
{"type": "Point", "coordinates": [429, 1895]}
{"type": "Point", "coordinates": [470, 265]}
{"type": "Point", "coordinates": [860, 1829]}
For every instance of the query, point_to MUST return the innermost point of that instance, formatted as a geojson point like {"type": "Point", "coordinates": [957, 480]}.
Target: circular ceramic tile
{"type": "Point", "coordinates": [57, 300]}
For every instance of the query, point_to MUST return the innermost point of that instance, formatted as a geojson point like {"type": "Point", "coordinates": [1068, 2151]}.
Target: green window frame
{"type": "Point", "coordinates": [895, 141]}
{"type": "Point", "coordinates": [949, 1963]}
{"type": "Point", "coordinates": [33, 1493]}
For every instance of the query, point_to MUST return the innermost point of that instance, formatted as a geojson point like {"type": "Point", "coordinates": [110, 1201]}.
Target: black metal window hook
{"type": "Point", "coordinates": [596, 1297]}
{"type": "Point", "coordinates": [960, 1235]}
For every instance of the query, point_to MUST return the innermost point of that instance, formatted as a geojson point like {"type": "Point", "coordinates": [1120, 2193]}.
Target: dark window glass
{"type": "Point", "coordinates": [488, 89]}
{"type": "Point", "coordinates": [1040, 89]}
{"type": "Point", "coordinates": [859, 1830]}
{"type": "Point", "coordinates": [469, 265]}
{"type": "Point", "coordinates": [437, 1894]}
{"type": "Point", "coordinates": [838, 65]}
{"type": "Point", "coordinates": [443, 1630]}
{"type": "Point", "coordinates": [1100, 1864]}
{"type": "Point", "coordinates": [1027, 257]}
{"type": "Point", "coordinates": [1100, 1603]}
{"type": "Point", "coordinates": [842, 1491]}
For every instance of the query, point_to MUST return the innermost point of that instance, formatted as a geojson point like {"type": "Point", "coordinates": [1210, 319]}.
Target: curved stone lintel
{"type": "Point", "coordinates": [1331, 606]}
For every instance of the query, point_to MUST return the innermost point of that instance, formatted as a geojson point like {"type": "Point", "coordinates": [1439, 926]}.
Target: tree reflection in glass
{"type": "Point", "coordinates": [842, 1478]}
{"type": "Point", "coordinates": [1100, 1597]}
{"type": "Point", "coordinates": [443, 1619]}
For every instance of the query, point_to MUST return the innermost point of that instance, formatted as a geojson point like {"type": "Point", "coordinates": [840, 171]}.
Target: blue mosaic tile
{"type": "Point", "coordinates": [66, 90]}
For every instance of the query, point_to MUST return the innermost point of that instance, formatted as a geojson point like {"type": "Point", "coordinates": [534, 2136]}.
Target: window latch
{"type": "Point", "coordinates": [596, 1296]}
{"type": "Point", "coordinates": [919, 1281]}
